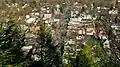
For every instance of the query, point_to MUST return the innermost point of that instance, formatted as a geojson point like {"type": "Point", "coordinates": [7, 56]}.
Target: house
{"type": "Point", "coordinates": [90, 31]}
{"type": "Point", "coordinates": [47, 16]}
{"type": "Point", "coordinates": [86, 16]}
{"type": "Point", "coordinates": [73, 22]}
{"type": "Point", "coordinates": [30, 20]}
{"type": "Point", "coordinates": [56, 10]}
{"type": "Point", "coordinates": [24, 27]}
{"type": "Point", "coordinates": [74, 19]}
{"type": "Point", "coordinates": [117, 37]}
{"type": "Point", "coordinates": [35, 28]}
{"type": "Point", "coordinates": [74, 14]}
{"type": "Point", "coordinates": [116, 29]}
{"type": "Point", "coordinates": [81, 32]}
{"type": "Point", "coordinates": [118, 5]}
{"type": "Point", "coordinates": [71, 41]}
{"type": "Point", "coordinates": [100, 31]}
{"type": "Point", "coordinates": [113, 11]}
{"type": "Point", "coordinates": [27, 16]}
{"type": "Point", "coordinates": [56, 20]}
{"type": "Point", "coordinates": [106, 44]}
{"type": "Point", "coordinates": [81, 18]}
{"type": "Point", "coordinates": [104, 12]}
{"type": "Point", "coordinates": [79, 37]}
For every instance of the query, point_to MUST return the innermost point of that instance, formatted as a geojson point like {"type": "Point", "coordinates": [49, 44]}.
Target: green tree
{"type": "Point", "coordinates": [11, 42]}
{"type": "Point", "coordinates": [47, 51]}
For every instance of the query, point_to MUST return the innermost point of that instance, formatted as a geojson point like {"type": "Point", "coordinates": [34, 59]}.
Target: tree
{"type": "Point", "coordinates": [83, 58]}
{"type": "Point", "coordinates": [11, 42]}
{"type": "Point", "coordinates": [46, 52]}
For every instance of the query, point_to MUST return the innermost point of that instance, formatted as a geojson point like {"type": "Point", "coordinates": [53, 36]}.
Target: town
{"type": "Point", "coordinates": [65, 33]}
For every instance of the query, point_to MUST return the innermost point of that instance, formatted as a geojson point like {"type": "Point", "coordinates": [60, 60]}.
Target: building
{"type": "Point", "coordinates": [116, 31]}
{"type": "Point", "coordinates": [118, 5]}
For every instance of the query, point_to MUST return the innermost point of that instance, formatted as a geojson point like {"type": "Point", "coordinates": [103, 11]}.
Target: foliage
{"type": "Point", "coordinates": [107, 58]}
{"type": "Point", "coordinates": [11, 42]}
{"type": "Point", "coordinates": [86, 57]}
{"type": "Point", "coordinates": [46, 50]}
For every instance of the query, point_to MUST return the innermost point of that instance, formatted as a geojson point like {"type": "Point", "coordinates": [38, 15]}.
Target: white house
{"type": "Point", "coordinates": [113, 12]}
{"type": "Point", "coordinates": [30, 20]}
